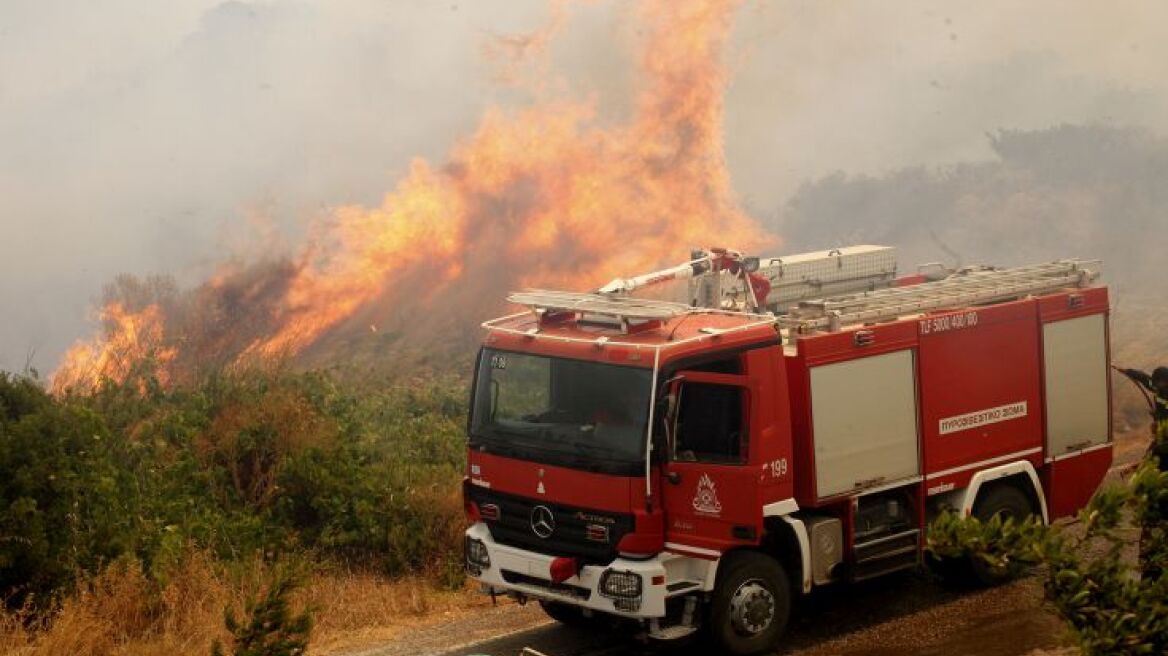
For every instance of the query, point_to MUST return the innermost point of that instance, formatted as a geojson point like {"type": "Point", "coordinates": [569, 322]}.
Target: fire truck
{"type": "Point", "coordinates": [697, 462]}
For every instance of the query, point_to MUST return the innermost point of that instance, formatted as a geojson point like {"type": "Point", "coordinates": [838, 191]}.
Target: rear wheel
{"type": "Point", "coordinates": [967, 572]}
{"type": "Point", "coordinates": [750, 605]}
{"type": "Point", "coordinates": [1007, 502]}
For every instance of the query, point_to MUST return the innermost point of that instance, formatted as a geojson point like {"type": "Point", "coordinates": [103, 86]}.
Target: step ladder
{"type": "Point", "coordinates": [887, 554]}
{"type": "Point", "coordinates": [969, 287]}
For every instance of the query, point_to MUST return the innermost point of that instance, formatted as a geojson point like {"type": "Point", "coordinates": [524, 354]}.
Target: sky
{"type": "Point", "coordinates": [165, 137]}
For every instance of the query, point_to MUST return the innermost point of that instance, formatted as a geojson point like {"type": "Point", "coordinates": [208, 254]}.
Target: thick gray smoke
{"type": "Point", "coordinates": [165, 137]}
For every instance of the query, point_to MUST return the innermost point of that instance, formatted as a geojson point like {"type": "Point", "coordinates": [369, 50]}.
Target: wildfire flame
{"type": "Point", "coordinates": [543, 196]}
{"type": "Point", "coordinates": [131, 338]}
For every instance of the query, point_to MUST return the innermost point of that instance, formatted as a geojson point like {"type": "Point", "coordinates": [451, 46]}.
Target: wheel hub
{"type": "Point", "coordinates": [752, 608]}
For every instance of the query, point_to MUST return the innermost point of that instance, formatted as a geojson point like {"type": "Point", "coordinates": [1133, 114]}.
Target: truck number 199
{"type": "Point", "coordinates": [779, 468]}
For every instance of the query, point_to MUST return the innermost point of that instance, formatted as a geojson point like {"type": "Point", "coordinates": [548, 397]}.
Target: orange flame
{"type": "Point", "coordinates": [130, 339]}
{"type": "Point", "coordinates": [544, 196]}
{"type": "Point", "coordinates": [547, 194]}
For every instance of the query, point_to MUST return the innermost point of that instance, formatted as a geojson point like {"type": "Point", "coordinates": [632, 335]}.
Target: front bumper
{"type": "Point", "coordinates": [514, 570]}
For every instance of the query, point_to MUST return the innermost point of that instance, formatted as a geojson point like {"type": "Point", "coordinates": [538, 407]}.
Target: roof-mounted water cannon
{"type": "Point", "coordinates": [714, 261]}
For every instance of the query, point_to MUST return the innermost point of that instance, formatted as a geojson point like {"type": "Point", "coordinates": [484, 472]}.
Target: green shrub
{"type": "Point", "coordinates": [1112, 604]}
{"type": "Point", "coordinates": [243, 463]}
{"type": "Point", "coordinates": [270, 628]}
{"type": "Point", "coordinates": [67, 503]}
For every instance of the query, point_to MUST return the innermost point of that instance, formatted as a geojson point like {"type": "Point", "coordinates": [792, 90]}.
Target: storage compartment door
{"type": "Point", "coordinates": [864, 422]}
{"type": "Point", "coordinates": [1075, 354]}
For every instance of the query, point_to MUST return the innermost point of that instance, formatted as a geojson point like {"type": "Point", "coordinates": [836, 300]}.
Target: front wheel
{"type": "Point", "coordinates": [750, 605]}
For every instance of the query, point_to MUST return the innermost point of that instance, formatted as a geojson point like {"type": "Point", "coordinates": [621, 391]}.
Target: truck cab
{"type": "Point", "coordinates": [630, 457]}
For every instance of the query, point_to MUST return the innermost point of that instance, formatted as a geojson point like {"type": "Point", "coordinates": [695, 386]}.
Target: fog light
{"type": "Point", "coordinates": [620, 585]}
{"type": "Point", "coordinates": [476, 555]}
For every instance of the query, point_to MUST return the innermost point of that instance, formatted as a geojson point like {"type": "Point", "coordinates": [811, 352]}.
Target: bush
{"type": "Point", "coordinates": [67, 503]}
{"type": "Point", "coordinates": [1113, 604]}
{"type": "Point", "coordinates": [270, 628]}
{"type": "Point", "coordinates": [244, 463]}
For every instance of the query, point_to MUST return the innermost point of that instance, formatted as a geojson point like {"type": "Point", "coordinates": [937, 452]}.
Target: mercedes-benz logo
{"type": "Point", "coordinates": [543, 522]}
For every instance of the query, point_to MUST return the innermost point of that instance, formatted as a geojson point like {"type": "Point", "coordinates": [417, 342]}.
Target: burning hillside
{"type": "Point", "coordinates": [541, 196]}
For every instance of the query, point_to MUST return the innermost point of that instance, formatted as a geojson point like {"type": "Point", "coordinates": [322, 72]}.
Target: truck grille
{"type": "Point", "coordinates": [576, 531]}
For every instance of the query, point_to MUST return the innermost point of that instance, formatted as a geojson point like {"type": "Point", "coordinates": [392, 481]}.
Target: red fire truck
{"type": "Point", "coordinates": [695, 467]}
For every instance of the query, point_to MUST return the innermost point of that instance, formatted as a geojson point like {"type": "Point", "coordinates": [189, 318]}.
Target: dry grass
{"type": "Point", "coordinates": [359, 609]}
{"type": "Point", "coordinates": [122, 612]}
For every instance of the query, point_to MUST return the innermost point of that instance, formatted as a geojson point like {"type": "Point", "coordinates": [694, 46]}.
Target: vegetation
{"type": "Point", "coordinates": [271, 629]}
{"type": "Point", "coordinates": [1113, 602]}
{"type": "Point", "coordinates": [274, 466]}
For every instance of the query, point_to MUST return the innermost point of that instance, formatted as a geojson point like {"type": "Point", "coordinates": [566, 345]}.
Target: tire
{"type": "Point", "coordinates": [750, 605]}
{"type": "Point", "coordinates": [969, 573]}
{"type": "Point", "coordinates": [1006, 501]}
{"type": "Point", "coordinates": [566, 614]}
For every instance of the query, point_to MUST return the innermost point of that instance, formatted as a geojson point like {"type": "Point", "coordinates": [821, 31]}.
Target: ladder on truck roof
{"type": "Point", "coordinates": [617, 307]}
{"type": "Point", "coordinates": [626, 313]}
{"type": "Point", "coordinates": [629, 314]}
{"type": "Point", "coordinates": [962, 289]}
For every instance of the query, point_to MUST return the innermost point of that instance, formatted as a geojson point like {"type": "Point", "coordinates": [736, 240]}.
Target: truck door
{"type": "Point", "coordinates": [711, 491]}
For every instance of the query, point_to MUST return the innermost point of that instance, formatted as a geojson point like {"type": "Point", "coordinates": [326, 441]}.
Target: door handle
{"type": "Point", "coordinates": [673, 477]}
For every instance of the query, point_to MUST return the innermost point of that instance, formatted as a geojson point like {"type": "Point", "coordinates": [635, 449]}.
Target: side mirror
{"type": "Point", "coordinates": [750, 264]}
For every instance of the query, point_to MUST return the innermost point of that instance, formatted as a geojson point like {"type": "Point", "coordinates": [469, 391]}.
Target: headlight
{"type": "Point", "coordinates": [620, 585]}
{"type": "Point", "coordinates": [477, 558]}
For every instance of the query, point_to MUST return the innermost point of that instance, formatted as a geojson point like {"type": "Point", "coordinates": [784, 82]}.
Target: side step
{"type": "Point", "coordinates": [685, 626]}
{"type": "Point", "coordinates": [675, 632]}
{"type": "Point", "coordinates": [887, 554]}
{"type": "Point", "coordinates": [681, 587]}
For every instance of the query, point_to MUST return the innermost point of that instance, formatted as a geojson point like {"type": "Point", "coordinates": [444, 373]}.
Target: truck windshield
{"type": "Point", "coordinates": [560, 411]}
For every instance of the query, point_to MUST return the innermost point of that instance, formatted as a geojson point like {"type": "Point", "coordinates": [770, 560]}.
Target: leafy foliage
{"type": "Point", "coordinates": [271, 463]}
{"type": "Point", "coordinates": [1001, 544]}
{"type": "Point", "coordinates": [1112, 603]}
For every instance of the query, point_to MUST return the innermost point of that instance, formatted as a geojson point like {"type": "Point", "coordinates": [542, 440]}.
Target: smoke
{"type": "Point", "coordinates": [868, 87]}
{"type": "Point", "coordinates": [146, 137]}
{"type": "Point", "coordinates": [138, 139]}
{"type": "Point", "coordinates": [1092, 192]}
